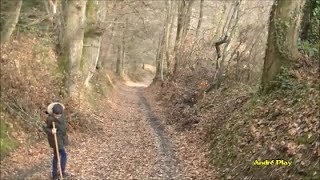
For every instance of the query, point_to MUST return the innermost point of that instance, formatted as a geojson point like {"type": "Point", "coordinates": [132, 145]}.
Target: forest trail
{"type": "Point", "coordinates": [129, 143]}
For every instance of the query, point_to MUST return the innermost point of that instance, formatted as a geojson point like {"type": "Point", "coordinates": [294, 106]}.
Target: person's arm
{"type": "Point", "coordinates": [64, 122]}
{"type": "Point", "coordinates": [48, 127]}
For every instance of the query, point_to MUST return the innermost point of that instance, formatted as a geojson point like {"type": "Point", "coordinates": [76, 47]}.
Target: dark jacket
{"type": "Point", "coordinates": [60, 124]}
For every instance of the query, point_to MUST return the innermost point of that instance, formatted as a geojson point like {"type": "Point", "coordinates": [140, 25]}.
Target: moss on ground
{"type": "Point", "coordinates": [100, 87]}
{"type": "Point", "coordinates": [7, 144]}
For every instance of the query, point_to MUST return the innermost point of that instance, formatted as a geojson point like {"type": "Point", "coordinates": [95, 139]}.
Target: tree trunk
{"type": "Point", "coordinates": [228, 30]}
{"type": "Point", "coordinates": [232, 18]}
{"type": "Point", "coordinates": [181, 8]}
{"type": "Point", "coordinates": [51, 7]}
{"type": "Point", "coordinates": [163, 46]}
{"type": "Point", "coordinates": [187, 19]}
{"type": "Point", "coordinates": [123, 52]}
{"type": "Point", "coordinates": [283, 35]}
{"type": "Point", "coordinates": [161, 57]}
{"type": "Point", "coordinates": [73, 44]}
{"type": "Point", "coordinates": [169, 37]}
{"type": "Point", "coordinates": [306, 19]}
{"type": "Point", "coordinates": [123, 46]}
{"type": "Point", "coordinates": [11, 20]}
{"type": "Point", "coordinates": [106, 41]}
{"type": "Point", "coordinates": [200, 18]}
{"type": "Point", "coordinates": [58, 26]}
{"type": "Point", "coordinates": [183, 21]}
{"type": "Point", "coordinates": [119, 63]}
{"type": "Point", "coordinates": [95, 13]}
{"type": "Point", "coordinates": [158, 58]}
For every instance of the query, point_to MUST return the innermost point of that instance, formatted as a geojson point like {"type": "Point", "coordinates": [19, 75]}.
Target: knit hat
{"type": "Point", "coordinates": [50, 107]}
{"type": "Point", "coordinates": [57, 109]}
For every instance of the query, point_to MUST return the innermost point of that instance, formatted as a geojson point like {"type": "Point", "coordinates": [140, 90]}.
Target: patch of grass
{"type": "Point", "coordinates": [286, 81]}
{"type": "Point", "coordinates": [91, 98]}
{"type": "Point", "coordinates": [253, 102]}
{"type": "Point", "coordinates": [100, 87]}
{"type": "Point", "coordinates": [306, 138]}
{"type": "Point", "coordinates": [6, 144]}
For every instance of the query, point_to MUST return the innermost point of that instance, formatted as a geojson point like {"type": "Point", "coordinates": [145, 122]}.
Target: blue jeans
{"type": "Point", "coordinates": [63, 161]}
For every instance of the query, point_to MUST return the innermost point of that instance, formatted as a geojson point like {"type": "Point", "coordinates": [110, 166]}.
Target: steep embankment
{"type": "Point", "coordinates": [243, 126]}
{"type": "Point", "coordinates": [28, 83]}
{"type": "Point", "coordinates": [281, 125]}
{"type": "Point", "coordinates": [30, 80]}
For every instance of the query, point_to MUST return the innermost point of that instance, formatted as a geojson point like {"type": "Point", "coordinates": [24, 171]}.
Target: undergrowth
{"type": "Point", "coordinates": [281, 125]}
{"type": "Point", "coordinates": [244, 125]}
{"type": "Point", "coordinates": [7, 143]}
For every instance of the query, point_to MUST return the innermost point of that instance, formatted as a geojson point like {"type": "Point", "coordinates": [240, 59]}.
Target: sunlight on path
{"type": "Point", "coordinates": [146, 82]}
{"type": "Point", "coordinates": [147, 79]}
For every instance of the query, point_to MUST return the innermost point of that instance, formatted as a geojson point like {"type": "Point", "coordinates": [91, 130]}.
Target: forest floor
{"type": "Point", "coordinates": [131, 142]}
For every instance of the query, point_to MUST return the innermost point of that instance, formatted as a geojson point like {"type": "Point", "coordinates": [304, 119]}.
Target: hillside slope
{"type": "Point", "coordinates": [243, 126]}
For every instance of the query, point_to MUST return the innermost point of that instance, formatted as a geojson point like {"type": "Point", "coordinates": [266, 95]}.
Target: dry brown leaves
{"type": "Point", "coordinates": [191, 149]}
{"type": "Point", "coordinates": [243, 127]}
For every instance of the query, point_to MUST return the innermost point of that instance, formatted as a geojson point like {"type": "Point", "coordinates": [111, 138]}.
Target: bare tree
{"type": "Point", "coordinates": [119, 63]}
{"type": "Point", "coordinates": [307, 17]}
{"type": "Point", "coordinates": [107, 43]}
{"type": "Point", "coordinates": [159, 57]}
{"type": "Point", "coordinates": [166, 36]}
{"type": "Point", "coordinates": [183, 22]}
{"type": "Point", "coordinates": [11, 20]}
{"type": "Point", "coordinates": [123, 45]}
{"type": "Point", "coordinates": [168, 48]}
{"type": "Point", "coordinates": [164, 43]}
{"type": "Point", "coordinates": [200, 18]}
{"type": "Point", "coordinates": [228, 31]}
{"type": "Point", "coordinates": [121, 49]}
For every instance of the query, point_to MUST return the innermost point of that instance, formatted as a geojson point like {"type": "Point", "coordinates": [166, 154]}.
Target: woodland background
{"type": "Point", "coordinates": [241, 76]}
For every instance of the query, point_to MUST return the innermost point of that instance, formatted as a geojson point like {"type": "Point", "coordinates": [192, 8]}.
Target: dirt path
{"type": "Point", "coordinates": [130, 144]}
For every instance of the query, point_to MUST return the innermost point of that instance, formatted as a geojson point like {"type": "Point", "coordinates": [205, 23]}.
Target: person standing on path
{"type": "Point", "coordinates": [56, 114]}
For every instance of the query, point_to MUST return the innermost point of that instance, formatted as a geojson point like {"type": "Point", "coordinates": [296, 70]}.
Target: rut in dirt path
{"type": "Point", "coordinates": [133, 144]}
{"type": "Point", "coordinates": [169, 165]}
